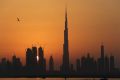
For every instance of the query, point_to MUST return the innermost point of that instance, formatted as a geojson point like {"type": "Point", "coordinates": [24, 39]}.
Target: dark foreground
{"type": "Point", "coordinates": [59, 75]}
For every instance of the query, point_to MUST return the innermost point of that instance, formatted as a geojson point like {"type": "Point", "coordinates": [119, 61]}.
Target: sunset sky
{"type": "Point", "coordinates": [91, 22]}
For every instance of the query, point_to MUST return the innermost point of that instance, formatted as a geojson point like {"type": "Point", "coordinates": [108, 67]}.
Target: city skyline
{"type": "Point", "coordinates": [36, 63]}
{"type": "Point", "coordinates": [44, 27]}
{"type": "Point", "coordinates": [86, 66]}
{"type": "Point", "coordinates": [35, 60]}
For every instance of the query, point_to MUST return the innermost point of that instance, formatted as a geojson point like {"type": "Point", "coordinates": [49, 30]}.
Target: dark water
{"type": "Point", "coordinates": [56, 79]}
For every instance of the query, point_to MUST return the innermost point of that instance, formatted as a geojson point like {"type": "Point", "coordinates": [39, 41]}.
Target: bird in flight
{"type": "Point", "coordinates": [18, 19]}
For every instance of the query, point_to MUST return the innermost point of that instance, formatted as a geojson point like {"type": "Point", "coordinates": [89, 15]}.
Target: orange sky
{"type": "Point", "coordinates": [42, 23]}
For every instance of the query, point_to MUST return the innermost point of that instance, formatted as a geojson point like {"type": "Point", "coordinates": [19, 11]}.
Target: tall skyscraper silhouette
{"type": "Point", "coordinates": [102, 51]}
{"type": "Point", "coordinates": [29, 57]}
{"type": "Point", "coordinates": [34, 51]}
{"type": "Point", "coordinates": [78, 65]}
{"type": "Point", "coordinates": [51, 64]}
{"type": "Point", "coordinates": [65, 65]}
{"type": "Point", "coordinates": [101, 61]}
{"type": "Point", "coordinates": [112, 64]}
{"type": "Point", "coordinates": [102, 58]}
{"type": "Point", "coordinates": [42, 60]}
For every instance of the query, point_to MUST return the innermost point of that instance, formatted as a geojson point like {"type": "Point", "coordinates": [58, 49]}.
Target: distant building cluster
{"type": "Point", "coordinates": [86, 65]}
{"type": "Point", "coordinates": [31, 59]}
{"type": "Point", "coordinates": [33, 65]}
{"type": "Point", "coordinates": [103, 65]}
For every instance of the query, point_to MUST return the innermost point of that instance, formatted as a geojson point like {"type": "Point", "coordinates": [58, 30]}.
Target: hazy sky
{"type": "Point", "coordinates": [91, 22]}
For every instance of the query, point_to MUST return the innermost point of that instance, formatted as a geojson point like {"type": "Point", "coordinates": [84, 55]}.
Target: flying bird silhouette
{"type": "Point", "coordinates": [18, 19]}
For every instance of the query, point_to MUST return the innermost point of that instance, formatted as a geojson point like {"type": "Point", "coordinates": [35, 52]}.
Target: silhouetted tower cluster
{"type": "Point", "coordinates": [104, 64]}
{"type": "Point", "coordinates": [5, 65]}
{"type": "Point", "coordinates": [38, 65]}
{"type": "Point", "coordinates": [16, 64]}
{"type": "Point", "coordinates": [31, 59]}
{"type": "Point", "coordinates": [88, 64]}
{"type": "Point", "coordinates": [10, 67]}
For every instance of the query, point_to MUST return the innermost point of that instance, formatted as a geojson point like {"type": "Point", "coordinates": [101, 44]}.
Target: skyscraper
{"type": "Point", "coordinates": [106, 64]}
{"type": "Point", "coordinates": [65, 65]}
{"type": "Point", "coordinates": [41, 54]}
{"type": "Point", "coordinates": [51, 64]}
{"type": "Point", "coordinates": [42, 60]}
{"type": "Point", "coordinates": [29, 57]}
{"type": "Point", "coordinates": [112, 64]}
{"type": "Point", "coordinates": [78, 65]}
{"type": "Point", "coordinates": [102, 51]}
{"type": "Point", "coordinates": [101, 60]}
{"type": "Point", "coordinates": [34, 51]}
{"type": "Point", "coordinates": [16, 62]}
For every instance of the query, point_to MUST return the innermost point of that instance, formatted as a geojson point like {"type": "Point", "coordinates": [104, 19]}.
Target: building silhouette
{"type": "Point", "coordinates": [106, 64]}
{"type": "Point", "coordinates": [102, 51]}
{"type": "Point", "coordinates": [88, 64]}
{"type": "Point", "coordinates": [71, 68]}
{"type": "Point", "coordinates": [101, 60]}
{"type": "Point", "coordinates": [42, 60]}
{"type": "Point", "coordinates": [34, 52]}
{"type": "Point", "coordinates": [65, 65]}
{"type": "Point", "coordinates": [112, 64]}
{"type": "Point", "coordinates": [29, 58]}
{"type": "Point", "coordinates": [16, 64]}
{"type": "Point", "coordinates": [78, 65]}
{"type": "Point", "coordinates": [6, 66]}
{"type": "Point", "coordinates": [51, 64]}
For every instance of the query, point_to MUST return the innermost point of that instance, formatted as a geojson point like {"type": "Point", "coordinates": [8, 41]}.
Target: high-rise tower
{"type": "Point", "coordinates": [51, 64]}
{"type": "Point", "coordinates": [34, 52]}
{"type": "Point", "coordinates": [65, 65]}
{"type": "Point", "coordinates": [101, 61]}
{"type": "Point", "coordinates": [42, 60]}
{"type": "Point", "coordinates": [102, 51]}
